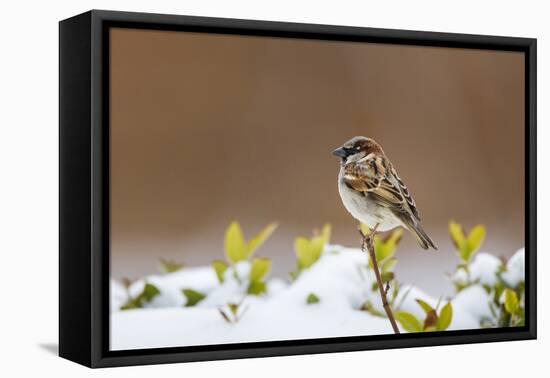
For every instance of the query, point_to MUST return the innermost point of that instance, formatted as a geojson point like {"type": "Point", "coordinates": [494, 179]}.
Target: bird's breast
{"type": "Point", "coordinates": [365, 209]}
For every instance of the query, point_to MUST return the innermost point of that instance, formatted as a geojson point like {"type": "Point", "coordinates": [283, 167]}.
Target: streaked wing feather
{"type": "Point", "coordinates": [377, 177]}
{"type": "Point", "coordinates": [406, 194]}
{"type": "Point", "coordinates": [364, 177]}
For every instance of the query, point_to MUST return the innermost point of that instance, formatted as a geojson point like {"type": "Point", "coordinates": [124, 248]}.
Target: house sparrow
{"type": "Point", "coordinates": [373, 193]}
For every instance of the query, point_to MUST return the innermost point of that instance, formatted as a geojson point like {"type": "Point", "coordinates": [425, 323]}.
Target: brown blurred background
{"type": "Point", "coordinates": [210, 128]}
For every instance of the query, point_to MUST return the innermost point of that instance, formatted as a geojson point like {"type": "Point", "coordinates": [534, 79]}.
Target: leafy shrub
{"type": "Point", "coordinates": [309, 250]}
{"type": "Point", "coordinates": [434, 320]}
{"type": "Point", "coordinates": [384, 249]}
{"type": "Point", "coordinates": [467, 246]}
{"type": "Point", "coordinates": [507, 301]}
{"type": "Point", "coordinates": [505, 287]}
{"type": "Point", "coordinates": [237, 249]}
{"type": "Point", "coordinates": [514, 314]}
{"type": "Point", "coordinates": [258, 271]}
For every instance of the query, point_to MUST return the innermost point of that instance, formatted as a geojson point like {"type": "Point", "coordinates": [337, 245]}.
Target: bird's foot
{"type": "Point", "coordinates": [367, 240]}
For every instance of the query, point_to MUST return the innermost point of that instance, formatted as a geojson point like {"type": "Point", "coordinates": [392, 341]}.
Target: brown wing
{"type": "Point", "coordinates": [377, 177]}
{"type": "Point", "coordinates": [406, 194]}
{"type": "Point", "coordinates": [365, 175]}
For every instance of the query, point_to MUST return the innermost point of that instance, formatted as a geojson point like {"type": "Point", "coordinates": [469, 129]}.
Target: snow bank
{"type": "Point", "coordinates": [340, 279]}
{"type": "Point", "coordinates": [515, 269]}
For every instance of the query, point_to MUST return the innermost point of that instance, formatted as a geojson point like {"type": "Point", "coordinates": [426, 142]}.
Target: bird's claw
{"type": "Point", "coordinates": [367, 240]}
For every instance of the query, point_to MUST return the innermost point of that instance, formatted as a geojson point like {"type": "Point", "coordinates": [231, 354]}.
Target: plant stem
{"type": "Point", "coordinates": [368, 243]}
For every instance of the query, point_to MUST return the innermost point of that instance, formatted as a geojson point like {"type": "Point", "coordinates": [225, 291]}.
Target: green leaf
{"type": "Point", "coordinates": [168, 266]}
{"type": "Point", "coordinates": [425, 306]}
{"type": "Point", "coordinates": [258, 239]}
{"type": "Point", "coordinates": [464, 251]}
{"type": "Point", "coordinates": [256, 288]}
{"type": "Point", "coordinates": [388, 265]}
{"type": "Point", "coordinates": [385, 248]}
{"type": "Point", "coordinates": [308, 251]}
{"type": "Point", "coordinates": [193, 297]}
{"type": "Point", "coordinates": [325, 233]}
{"type": "Point", "coordinates": [260, 268]}
{"type": "Point", "coordinates": [511, 302]}
{"type": "Point", "coordinates": [312, 299]}
{"type": "Point", "coordinates": [466, 246]}
{"type": "Point", "coordinates": [460, 241]}
{"type": "Point", "coordinates": [390, 244]}
{"type": "Point", "coordinates": [387, 276]}
{"type": "Point", "coordinates": [457, 233]}
{"type": "Point", "coordinates": [408, 321]}
{"type": "Point", "coordinates": [364, 229]}
{"type": "Point", "coordinates": [475, 239]}
{"type": "Point", "coordinates": [220, 268]}
{"type": "Point", "coordinates": [149, 292]}
{"type": "Point", "coordinates": [445, 317]}
{"type": "Point", "coordinates": [235, 247]}
{"type": "Point", "coordinates": [498, 290]}
{"type": "Point", "coordinates": [379, 249]}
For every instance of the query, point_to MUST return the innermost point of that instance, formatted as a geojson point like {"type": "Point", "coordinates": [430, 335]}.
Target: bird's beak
{"type": "Point", "coordinates": [340, 152]}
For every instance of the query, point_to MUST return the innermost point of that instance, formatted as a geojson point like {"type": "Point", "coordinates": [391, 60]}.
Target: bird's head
{"type": "Point", "coordinates": [357, 148]}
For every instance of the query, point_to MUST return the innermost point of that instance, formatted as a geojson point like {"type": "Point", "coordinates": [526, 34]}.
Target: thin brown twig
{"type": "Point", "coordinates": [368, 242]}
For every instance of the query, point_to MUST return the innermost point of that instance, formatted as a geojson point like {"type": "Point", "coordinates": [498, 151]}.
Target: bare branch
{"type": "Point", "coordinates": [367, 245]}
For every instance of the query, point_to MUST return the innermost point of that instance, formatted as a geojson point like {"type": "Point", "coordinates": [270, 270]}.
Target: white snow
{"type": "Point", "coordinates": [199, 326]}
{"type": "Point", "coordinates": [340, 279]}
{"type": "Point", "coordinates": [484, 268]}
{"type": "Point", "coordinates": [472, 301]}
{"type": "Point", "coordinates": [515, 269]}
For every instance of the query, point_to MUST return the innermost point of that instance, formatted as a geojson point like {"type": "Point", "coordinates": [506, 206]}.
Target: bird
{"type": "Point", "coordinates": [372, 191]}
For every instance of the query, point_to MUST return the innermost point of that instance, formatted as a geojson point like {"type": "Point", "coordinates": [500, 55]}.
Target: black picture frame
{"type": "Point", "coordinates": [84, 187]}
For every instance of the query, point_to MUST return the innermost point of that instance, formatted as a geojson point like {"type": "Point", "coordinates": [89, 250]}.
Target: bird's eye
{"type": "Point", "coordinates": [357, 148]}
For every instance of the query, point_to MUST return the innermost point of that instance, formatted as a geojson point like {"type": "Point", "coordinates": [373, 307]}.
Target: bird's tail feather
{"type": "Point", "coordinates": [423, 239]}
